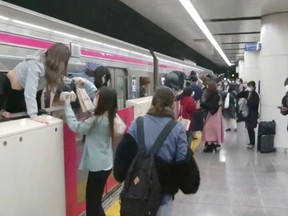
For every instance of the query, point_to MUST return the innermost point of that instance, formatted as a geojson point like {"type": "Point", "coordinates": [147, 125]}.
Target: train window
{"type": "Point", "coordinates": [118, 82]}
{"type": "Point", "coordinates": [144, 83]}
{"type": "Point", "coordinates": [120, 88]}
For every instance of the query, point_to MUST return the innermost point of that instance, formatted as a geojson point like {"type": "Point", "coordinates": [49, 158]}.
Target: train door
{"type": "Point", "coordinates": [119, 83]}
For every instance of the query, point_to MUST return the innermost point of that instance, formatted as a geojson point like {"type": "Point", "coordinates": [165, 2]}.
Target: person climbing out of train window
{"type": "Point", "coordinates": [97, 156]}
{"type": "Point", "coordinates": [22, 86]}
{"type": "Point", "coordinates": [174, 160]}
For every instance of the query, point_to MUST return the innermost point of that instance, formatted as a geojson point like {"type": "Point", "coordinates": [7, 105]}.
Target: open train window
{"type": "Point", "coordinates": [144, 83]}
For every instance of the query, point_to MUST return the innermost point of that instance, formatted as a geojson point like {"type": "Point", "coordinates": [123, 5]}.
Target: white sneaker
{"type": "Point", "coordinates": [250, 146]}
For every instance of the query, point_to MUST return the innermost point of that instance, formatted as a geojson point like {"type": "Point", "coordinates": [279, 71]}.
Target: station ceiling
{"type": "Point", "coordinates": [233, 23]}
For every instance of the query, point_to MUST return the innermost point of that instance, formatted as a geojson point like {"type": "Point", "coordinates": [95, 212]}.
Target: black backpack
{"type": "Point", "coordinates": [142, 194]}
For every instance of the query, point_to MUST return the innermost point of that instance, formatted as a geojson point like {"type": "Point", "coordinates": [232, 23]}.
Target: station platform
{"type": "Point", "coordinates": [235, 182]}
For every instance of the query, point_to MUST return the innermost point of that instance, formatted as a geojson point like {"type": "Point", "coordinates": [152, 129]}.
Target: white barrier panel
{"type": "Point", "coordinates": [32, 168]}
{"type": "Point", "coordinates": [140, 105]}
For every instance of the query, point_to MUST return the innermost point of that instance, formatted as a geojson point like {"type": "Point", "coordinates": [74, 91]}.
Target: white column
{"type": "Point", "coordinates": [241, 69]}
{"type": "Point", "coordinates": [273, 64]}
{"type": "Point", "coordinates": [237, 69]}
{"type": "Point", "coordinates": [251, 66]}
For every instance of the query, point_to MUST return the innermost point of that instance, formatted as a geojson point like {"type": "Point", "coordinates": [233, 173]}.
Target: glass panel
{"type": "Point", "coordinates": [120, 88]}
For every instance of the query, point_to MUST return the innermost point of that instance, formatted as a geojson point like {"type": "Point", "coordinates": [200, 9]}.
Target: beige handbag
{"type": "Point", "coordinates": [84, 100]}
{"type": "Point", "coordinates": [184, 122]}
{"type": "Point", "coordinates": [119, 126]}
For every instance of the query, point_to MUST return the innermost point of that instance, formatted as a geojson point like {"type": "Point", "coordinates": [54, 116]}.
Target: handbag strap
{"type": "Point", "coordinates": [140, 134]}
{"type": "Point", "coordinates": [162, 136]}
{"type": "Point", "coordinates": [159, 140]}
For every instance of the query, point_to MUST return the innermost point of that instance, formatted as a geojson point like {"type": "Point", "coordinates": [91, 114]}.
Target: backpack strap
{"type": "Point", "coordinates": [140, 134]}
{"type": "Point", "coordinates": [162, 136]}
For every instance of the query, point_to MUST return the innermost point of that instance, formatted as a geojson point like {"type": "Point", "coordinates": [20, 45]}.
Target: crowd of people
{"type": "Point", "coordinates": [31, 79]}
{"type": "Point", "coordinates": [204, 102]}
{"type": "Point", "coordinates": [214, 98]}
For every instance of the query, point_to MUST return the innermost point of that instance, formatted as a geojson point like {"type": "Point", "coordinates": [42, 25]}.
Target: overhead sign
{"type": "Point", "coordinates": [252, 47]}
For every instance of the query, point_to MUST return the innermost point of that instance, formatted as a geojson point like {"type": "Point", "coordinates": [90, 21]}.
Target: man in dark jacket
{"type": "Point", "coordinates": [198, 91]}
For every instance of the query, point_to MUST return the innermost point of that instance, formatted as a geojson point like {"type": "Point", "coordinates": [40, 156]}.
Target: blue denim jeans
{"type": "Point", "coordinates": [165, 210]}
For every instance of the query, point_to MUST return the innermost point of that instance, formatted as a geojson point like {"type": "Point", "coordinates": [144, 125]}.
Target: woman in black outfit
{"type": "Point", "coordinates": [253, 105]}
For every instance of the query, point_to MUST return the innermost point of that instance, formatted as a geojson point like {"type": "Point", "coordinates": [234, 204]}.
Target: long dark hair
{"type": "Point", "coordinates": [101, 74]}
{"type": "Point", "coordinates": [212, 89]}
{"type": "Point", "coordinates": [107, 101]}
{"type": "Point", "coordinates": [162, 103]}
{"type": "Point", "coordinates": [56, 61]}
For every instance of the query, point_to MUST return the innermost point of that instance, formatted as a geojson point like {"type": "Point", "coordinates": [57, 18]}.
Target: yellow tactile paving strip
{"type": "Point", "coordinates": [196, 142]}
{"type": "Point", "coordinates": [81, 190]}
{"type": "Point", "coordinates": [114, 210]}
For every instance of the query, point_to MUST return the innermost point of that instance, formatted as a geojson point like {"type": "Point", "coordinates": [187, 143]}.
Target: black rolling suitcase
{"type": "Point", "coordinates": [266, 144]}
{"type": "Point", "coordinates": [266, 134]}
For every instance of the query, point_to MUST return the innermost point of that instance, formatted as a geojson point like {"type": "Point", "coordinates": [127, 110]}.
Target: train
{"type": "Point", "coordinates": [134, 70]}
{"type": "Point", "coordinates": [24, 32]}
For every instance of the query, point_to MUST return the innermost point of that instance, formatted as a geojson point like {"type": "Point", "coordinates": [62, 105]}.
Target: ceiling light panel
{"type": "Point", "coordinates": [198, 20]}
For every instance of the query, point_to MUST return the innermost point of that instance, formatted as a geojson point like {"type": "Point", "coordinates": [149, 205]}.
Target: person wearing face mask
{"type": "Point", "coordinates": [253, 106]}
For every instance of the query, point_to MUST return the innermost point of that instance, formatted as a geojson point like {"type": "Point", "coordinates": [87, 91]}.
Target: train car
{"type": "Point", "coordinates": [135, 71]}
{"type": "Point", "coordinates": [23, 32]}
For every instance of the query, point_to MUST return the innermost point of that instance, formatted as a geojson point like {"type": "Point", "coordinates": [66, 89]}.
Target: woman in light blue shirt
{"type": "Point", "coordinates": [20, 86]}
{"type": "Point", "coordinates": [97, 157]}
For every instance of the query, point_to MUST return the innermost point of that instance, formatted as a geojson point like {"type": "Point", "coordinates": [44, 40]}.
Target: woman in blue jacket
{"type": "Point", "coordinates": [176, 167]}
{"type": "Point", "coordinates": [97, 156]}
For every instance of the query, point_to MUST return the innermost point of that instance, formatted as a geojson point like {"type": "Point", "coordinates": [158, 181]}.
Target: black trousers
{"type": "Point", "coordinates": [94, 192]}
{"type": "Point", "coordinates": [12, 100]}
{"type": "Point", "coordinates": [251, 134]}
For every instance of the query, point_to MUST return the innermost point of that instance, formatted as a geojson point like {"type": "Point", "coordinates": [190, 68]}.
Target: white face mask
{"type": "Point", "coordinates": [286, 87]}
